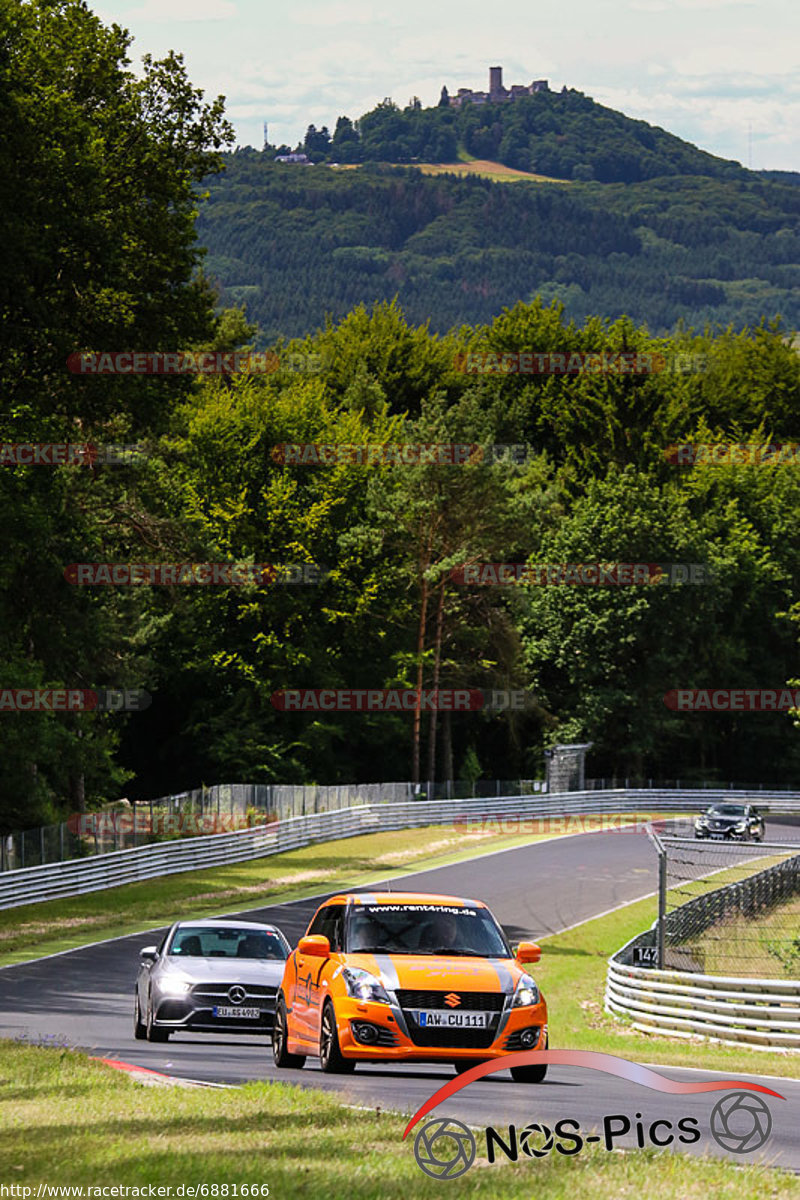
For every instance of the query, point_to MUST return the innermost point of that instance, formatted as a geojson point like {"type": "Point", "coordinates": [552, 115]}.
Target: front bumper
{"type": "Point", "coordinates": [722, 835]}
{"type": "Point", "coordinates": [183, 1014]}
{"type": "Point", "coordinates": [398, 1039]}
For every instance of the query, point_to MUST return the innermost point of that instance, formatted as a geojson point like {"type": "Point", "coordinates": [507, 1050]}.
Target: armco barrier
{"type": "Point", "coordinates": [53, 880]}
{"type": "Point", "coordinates": [762, 1013]}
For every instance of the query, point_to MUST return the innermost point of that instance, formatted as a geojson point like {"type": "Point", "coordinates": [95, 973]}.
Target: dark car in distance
{"type": "Point", "coordinates": [735, 822]}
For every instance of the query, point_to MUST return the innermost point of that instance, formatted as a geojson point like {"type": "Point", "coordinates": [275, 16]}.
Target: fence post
{"type": "Point", "coordinates": [661, 850]}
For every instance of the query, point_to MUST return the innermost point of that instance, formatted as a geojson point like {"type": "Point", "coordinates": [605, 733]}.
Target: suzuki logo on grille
{"type": "Point", "coordinates": [452, 999]}
{"type": "Point", "coordinates": [236, 994]}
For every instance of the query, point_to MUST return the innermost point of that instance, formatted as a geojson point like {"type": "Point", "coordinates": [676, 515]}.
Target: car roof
{"type": "Point", "coordinates": [402, 898]}
{"type": "Point", "coordinates": [216, 924]}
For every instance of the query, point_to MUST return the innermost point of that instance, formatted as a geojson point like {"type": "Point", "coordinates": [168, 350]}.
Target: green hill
{"type": "Point", "coordinates": [297, 243]}
{"type": "Point", "coordinates": [565, 135]}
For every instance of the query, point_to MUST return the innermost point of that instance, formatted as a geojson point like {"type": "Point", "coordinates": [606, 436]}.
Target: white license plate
{"type": "Point", "coordinates": [247, 1014]}
{"type": "Point", "coordinates": [453, 1020]}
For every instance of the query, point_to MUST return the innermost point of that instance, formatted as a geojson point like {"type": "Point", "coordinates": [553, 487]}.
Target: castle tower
{"type": "Point", "coordinates": [495, 81]}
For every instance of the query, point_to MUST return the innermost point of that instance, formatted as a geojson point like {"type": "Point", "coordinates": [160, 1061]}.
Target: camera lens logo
{"type": "Point", "coordinates": [528, 1138]}
{"type": "Point", "coordinates": [741, 1122]}
{"type": "Point", "coordinates": [444, 1148]}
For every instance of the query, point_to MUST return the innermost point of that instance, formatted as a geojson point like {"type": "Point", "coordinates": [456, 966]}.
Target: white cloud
{"type": "Point", "coordinates": [337, 14]}
{"type": "Point", "coordinates": [164, 11]}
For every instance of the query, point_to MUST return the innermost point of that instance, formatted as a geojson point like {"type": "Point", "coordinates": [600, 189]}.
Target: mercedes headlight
{"type": "Point", "coordinates": [173, 985]}
{"type": "Point", "coordinates": [363, 986]}
{"type": "Point", "coordinates": [701, 822]}
{"type": "Point", "coordinates": [526, 993]}
{"type": "Point", "coordinates": [740, 826]}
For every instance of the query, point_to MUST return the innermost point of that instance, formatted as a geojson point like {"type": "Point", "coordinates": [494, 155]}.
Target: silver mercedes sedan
{"type": "Point", "coordinates": [210, 977]}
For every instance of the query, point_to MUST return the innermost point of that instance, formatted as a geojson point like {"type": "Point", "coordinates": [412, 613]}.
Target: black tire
{"type": "Point", "coordinates": [466, 1064]}
{"type": "Point", "coordinates": [139, 1027]}
{"type": "Point", "coordinates": [280, 1055]}
{"type": "Point", "coordinates": [331, 1059]}
{"type": "Point", "coordinates": [533, 1074]}
{"type": "Point", "coordinates": [152, 1032]}
{"type": "Point", "coordinates": [529, 1074]}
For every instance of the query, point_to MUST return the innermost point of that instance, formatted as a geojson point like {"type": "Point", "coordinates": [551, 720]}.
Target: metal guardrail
{"type": "Point", "coordinates": [222, 808]}
{"type": "Point", "coordinates": [762, 1013]}
{"type": "Point", "coordinates": [54, 880]}
{"type": "Point", "coordinates": [734, 1010]}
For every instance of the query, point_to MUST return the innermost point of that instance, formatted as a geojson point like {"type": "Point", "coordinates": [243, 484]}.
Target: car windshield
{"type": "Point", "coordinates": [209, 941]}
{"type": "Point", "coordinates": [425, 929]}
{"type": "Point", "coordinates": [726, 810]}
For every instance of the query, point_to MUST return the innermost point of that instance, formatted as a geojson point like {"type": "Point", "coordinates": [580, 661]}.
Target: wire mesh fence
{"type": "Point", "coordinates": [731, 908]}
{"type": "Point", "coordinates": [222, 808]}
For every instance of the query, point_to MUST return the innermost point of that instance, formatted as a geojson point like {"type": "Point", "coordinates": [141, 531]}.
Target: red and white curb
{"type": "Point", "coordinates": [150, 1078]}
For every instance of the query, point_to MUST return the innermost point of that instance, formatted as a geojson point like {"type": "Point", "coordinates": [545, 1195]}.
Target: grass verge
{"type": "Point", "coordinates": [767, 947]}
{"type": "Point", "coordinates": [72, 1122]}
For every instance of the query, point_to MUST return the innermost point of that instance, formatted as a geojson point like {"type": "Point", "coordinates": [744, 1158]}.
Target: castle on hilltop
{"type": "Point", "coordinates": [496, 92]}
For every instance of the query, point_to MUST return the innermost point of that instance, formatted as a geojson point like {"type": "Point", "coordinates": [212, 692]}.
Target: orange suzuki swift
{"type": "Point", "coordinates": [402, 976]}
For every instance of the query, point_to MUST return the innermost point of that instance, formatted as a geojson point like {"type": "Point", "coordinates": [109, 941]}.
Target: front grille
{"type": "Point", "coordinates": [514, 1040]}
{"type": "Point", "coordinates": [217, 993]}
{"type": "Point", "coordinates": [470, 1001]}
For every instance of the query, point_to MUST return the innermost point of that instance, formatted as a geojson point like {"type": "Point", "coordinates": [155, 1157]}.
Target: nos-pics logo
{"type": "Point", "coordinates": [446, 1148]}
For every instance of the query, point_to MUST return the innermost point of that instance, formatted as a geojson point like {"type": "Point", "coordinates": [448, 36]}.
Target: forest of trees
{"type": "Point", "coordinates": [99, 182]}
{"type": "Point", "coordinates": [296, 244]}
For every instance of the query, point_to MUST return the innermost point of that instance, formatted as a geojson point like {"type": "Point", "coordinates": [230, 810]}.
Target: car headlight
{"type": "Point", "coordinates": [700, 823]}
{"type": "Point", "coordinates": [740, 826]}
{"type": "Point", "coordinates": [526, 993]}
{"type": "Point", "coordinates": [173, 986]}
{"type": "Point", "coordinates": [363, 986]}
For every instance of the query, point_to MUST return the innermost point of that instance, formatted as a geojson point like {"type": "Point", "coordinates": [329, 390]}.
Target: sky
{"type": "Point", "coordinates": [724, 74]}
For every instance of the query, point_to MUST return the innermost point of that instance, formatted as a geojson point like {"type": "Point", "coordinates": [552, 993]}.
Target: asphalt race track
{"type": "Point", "coordinates": [85, 998]}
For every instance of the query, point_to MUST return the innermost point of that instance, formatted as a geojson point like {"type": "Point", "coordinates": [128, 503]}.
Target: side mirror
{"type": "Point", "coordinates": [528, 952]}
{"type": "Point", "coordinates": [149, 953]}
{"type": "Point", "coordinates": [315, 945]}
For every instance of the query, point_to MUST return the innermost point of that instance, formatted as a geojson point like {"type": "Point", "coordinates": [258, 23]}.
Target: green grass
{"type": "Point", "coordinates": [33, 930]}
{"type": "Point", "coordinates": [767, 947]}
{"type": "Point", "coordinates": [65, 1120]}
{"type": "Point", "coordinates": [572, 974]}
